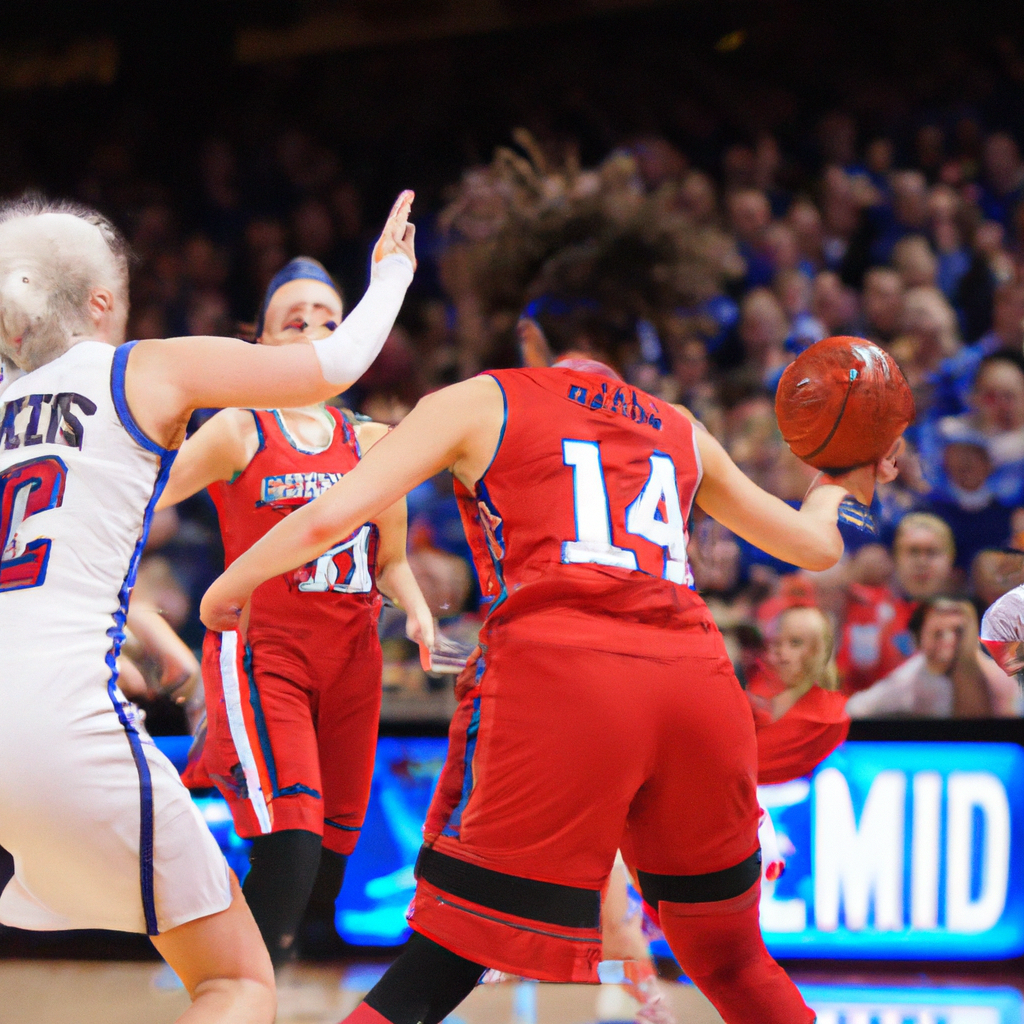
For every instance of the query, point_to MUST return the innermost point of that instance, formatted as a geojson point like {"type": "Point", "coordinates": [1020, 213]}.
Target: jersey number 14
{"type": "Point", "coordinates": [654, 514]}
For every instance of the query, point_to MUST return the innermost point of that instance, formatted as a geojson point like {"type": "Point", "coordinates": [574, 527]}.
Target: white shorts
{"type": "Point", "coordinates": [102, 831]}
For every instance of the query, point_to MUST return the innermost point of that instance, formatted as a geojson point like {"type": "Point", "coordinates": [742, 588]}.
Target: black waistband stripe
{"type": "Point", "coordinates": [709, 888]}
{"type": "Point", "coordinates": [563, 905]}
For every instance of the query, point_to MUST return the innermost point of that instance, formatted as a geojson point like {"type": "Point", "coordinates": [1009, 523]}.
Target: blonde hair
{"type": "Point", "coordinates": [52, 256]}
{"type": "Point", "coordinates": [926, 521]}
{"type": "Point", "coordinates": [825, 672]}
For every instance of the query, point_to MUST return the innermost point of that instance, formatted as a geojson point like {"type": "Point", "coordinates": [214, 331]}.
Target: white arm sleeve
{"type": "Point", "coordinates": [346, 354]}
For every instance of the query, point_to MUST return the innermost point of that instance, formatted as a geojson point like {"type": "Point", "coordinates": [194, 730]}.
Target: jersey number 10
{"type": "Point", "coordinates": [654, 514]}
{"type": "Point", "coordinates": [345, 569]}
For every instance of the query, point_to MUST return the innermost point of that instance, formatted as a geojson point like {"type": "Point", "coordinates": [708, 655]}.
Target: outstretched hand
{"type": "Point", "coordinates": [398, 234]}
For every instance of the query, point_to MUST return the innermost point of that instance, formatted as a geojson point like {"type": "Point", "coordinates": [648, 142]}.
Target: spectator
{"type": "Point", "coordinates": [956, 374]}
{"type": "Point", "coordinates": [833, 304]}
{"type": "Point", "coordinates": [763, 330]}
{"type": "Point", "coordinates": [991, 265]}
{"type": "Point", "coordinates": [915, 262]}
{"type": "Point", "coordinates": [795, 292]}
{"type": "Point", "coordinates": [994, 572]}
{"type": "Point", "coordinates": [874, 639]}
{"type": "Point", "coordinates": [1004, 179]}
{"type": "Point", "coordinates": [929, 336]}
{"type": "Point", "coordinates": [882, 304]}
{"type": "Point", "coordinates": [799, 714]}
{"type": "Point", "coordinates": [997, 416]}
{"type": "Point", "coordinates": [948, 676]}
{"type": "Point", "coordinates": [749, 216]}
{"type": "Point", "coordinates": [953, 257]}
{"type": "Point", "coordinates": [805, 220]}
{"type": "Point", "coordinates": [967, 503]}
{"type": "Point", "coordinates": [907, 215]}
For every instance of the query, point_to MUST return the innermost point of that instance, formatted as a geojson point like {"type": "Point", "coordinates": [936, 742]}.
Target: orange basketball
{"type": "Point", "coordinates": [842, 403]}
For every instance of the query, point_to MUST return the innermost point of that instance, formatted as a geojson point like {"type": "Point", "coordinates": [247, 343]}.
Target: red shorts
{"type": "Point", "coordinates": [557, 757]}
{"type": "Point", "coordinates": [291, 741]}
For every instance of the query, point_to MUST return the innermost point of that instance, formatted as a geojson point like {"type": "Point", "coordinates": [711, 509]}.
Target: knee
{"type": "Point", "coordinates": [623, 939]}
{"type": "Point", "coordinates": [241, 999]}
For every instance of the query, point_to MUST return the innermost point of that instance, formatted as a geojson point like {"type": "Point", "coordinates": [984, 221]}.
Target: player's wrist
{"type": "Point", "coordinates": [394, 268]}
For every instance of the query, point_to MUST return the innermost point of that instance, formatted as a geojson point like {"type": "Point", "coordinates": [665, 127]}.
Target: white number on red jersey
{"type": "Point", "coordinates": [644, 516]}
{"type": "Point", "coordinates": [345, 569]}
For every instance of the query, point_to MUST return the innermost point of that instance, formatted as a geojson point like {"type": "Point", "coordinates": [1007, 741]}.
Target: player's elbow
{"type": "Point", "coordinates": [823, 554]}
{"type": "Point", "coordinates": [319, 532]}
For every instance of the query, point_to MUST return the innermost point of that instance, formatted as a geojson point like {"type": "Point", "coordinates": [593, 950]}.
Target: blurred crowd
{"type": "Point", "coordinates": [704, 270]}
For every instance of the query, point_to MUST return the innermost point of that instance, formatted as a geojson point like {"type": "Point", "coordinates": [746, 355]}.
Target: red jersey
{"type": "Point", "coordinates": [874, 639]}
{"type": "Point", "coordinates": [795, 744]}
{"type": "Point", "coordinates": [579, 525]}
{"type": "Point", "coordinates": [336, 592]}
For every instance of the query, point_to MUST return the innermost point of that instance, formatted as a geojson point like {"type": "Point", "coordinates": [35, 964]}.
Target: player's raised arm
{"type": "Point", "coordinates": [166, 379]}
{"type": "Point", "coordinates": [809, 537]}
{"type": "Point", "coordinates": [455, 428]}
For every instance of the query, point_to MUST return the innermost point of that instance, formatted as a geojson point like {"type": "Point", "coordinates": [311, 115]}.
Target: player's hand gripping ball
{"type": "Point", "coordinates": [843, 403]}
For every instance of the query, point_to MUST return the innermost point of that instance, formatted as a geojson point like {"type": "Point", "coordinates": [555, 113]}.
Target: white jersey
{"type": "Point", "coordinates": [97, 821]}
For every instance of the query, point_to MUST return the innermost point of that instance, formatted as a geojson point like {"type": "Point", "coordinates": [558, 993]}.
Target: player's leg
{"type": "Point", "coordinates": [282, 870]}
{"type": "Point", "coordinates": [623, 939]}
{"type": "Point", "coordinates": [261, 752]}
{"type": "Point", "coordinates": [693, 836]}
{"type": "Point", "coordinates": [223, 963]}
{"type": "Point", "coordinates": [422, 986]}
{"type": "Point", "coordinates": [523, 828]}
{"type": "Point", "coordinates": [347, 721]}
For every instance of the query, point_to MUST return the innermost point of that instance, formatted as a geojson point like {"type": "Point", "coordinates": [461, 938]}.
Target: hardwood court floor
{"type": "Point", "coordinates": [119, 992]}
{"type": "Point", "coordinates": [114, 992]}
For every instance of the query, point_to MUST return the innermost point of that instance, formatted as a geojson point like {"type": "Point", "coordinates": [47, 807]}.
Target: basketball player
{"type": "Point", "coordinates": [306, 716]}
{"type": "Point", "coordinates": [601, 709]}
{"type": "Point", "coordinates": [1002, 632]}
{"type": "Point", "coordinates": [102, 832]}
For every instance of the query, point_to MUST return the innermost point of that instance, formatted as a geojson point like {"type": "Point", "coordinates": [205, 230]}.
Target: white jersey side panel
{"type": "Point", "coordinates": [76, 489]}
{"type": "Point", "coordinates": [102, 832]}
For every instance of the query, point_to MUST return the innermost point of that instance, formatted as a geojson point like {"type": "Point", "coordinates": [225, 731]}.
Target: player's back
{"type": "Point", "coordinates": [78, 481]}
{"type": "Point", "coordinates": [578, 526]}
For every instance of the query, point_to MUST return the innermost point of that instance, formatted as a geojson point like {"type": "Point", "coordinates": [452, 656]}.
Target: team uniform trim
{"type": "Point", "coordinates": [710, 888]}
{"type": "Point", "coordinates": [547, 902]}
{"type": "Point", "coordinates": [116, 634]}
{"type": "Point", "coordinates": [124, 414]}
{"type": "Point", "coordinates": [504, 424]}
{"type": "Point", "coordinates": [236, 726]}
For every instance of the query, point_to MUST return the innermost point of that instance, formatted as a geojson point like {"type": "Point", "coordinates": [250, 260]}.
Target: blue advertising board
{"type": "Point", "coordinates": [856, 1004]}
{"type": "Point", "coordinates": [894, 851]}
{"type": "Point", "coordinates": [901, 851]}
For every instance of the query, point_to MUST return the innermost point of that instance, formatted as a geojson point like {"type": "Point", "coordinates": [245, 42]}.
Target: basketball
{"type": "Point", "coordinates": [842, 403]}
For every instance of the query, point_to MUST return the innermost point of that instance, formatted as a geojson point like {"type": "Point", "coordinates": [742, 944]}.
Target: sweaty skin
{"type": "Point", "coordinates": [459, 428]}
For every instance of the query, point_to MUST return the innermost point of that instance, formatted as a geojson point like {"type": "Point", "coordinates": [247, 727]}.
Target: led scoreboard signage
{"type": "Point", "coordinates": [902, 851]}
{"type": "Point", "coordinates": [894, 850]}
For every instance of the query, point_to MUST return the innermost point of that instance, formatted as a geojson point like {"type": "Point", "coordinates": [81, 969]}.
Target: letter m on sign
{"type": "Point", "coordinates": [856, 865]}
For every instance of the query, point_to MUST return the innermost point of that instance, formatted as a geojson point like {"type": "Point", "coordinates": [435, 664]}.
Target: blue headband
{"type": "Point", "coordinates": [302, 268]}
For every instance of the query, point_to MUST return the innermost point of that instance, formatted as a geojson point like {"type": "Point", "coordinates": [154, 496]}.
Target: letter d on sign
{"type": "Point", "coordinates": [967, 791]}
